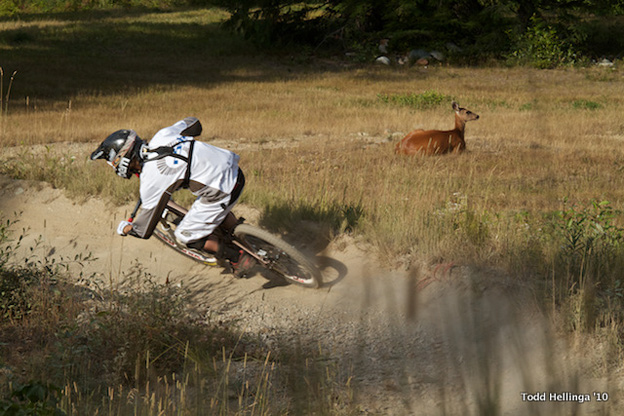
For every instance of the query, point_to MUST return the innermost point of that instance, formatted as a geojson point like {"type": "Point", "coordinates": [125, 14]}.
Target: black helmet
{"type": "Point", "coordinates": [119, 149]}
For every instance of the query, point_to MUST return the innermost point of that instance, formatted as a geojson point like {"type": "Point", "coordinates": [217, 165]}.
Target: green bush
{"type": "Point", "coordinates": [33, 398]}
{"type": "Point", "coordinates": [588, 252]}
{"type": "Point", "coordinates": [541, 46]}
{"type": "Point", "coordinates": [8, 8]}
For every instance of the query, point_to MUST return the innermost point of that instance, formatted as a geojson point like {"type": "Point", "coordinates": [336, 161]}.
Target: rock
{"type": "Point", "coordinates": [402, 59]}
{"type": "Point", "coordinates": [439, 56]}
{"type": "Point", "coordinates": [416, 54]}
{"type": "Point", "coordinates": [384, 60]}
{"type": "Point", "coordinates": [452, 47]}
{"type": "Point", "coordinates": [605, 63]}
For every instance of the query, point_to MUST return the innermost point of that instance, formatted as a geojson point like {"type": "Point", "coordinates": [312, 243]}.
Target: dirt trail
{"type": "Point", "coordinates": [426, 343]}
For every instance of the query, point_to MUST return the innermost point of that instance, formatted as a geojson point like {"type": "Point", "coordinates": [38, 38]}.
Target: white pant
{"type": "Point", "coordinates": [202, 219]}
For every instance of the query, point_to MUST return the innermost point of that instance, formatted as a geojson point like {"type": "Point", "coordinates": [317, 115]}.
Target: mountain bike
{"type": "Point", "coordinates": [270, 252]}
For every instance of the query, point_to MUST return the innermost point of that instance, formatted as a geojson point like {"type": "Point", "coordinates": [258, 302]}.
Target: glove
{"type": "Point", "coordinates": [121, 226]}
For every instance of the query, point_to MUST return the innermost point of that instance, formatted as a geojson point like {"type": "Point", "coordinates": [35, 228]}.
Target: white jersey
{"type": "Point", "coordinates": [211, 166]}
{"type": "Point", "coordinates": [213, 174]}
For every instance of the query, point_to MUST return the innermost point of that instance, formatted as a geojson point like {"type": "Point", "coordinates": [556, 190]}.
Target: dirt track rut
{"type": "Point", "coordinates": [419, 343]}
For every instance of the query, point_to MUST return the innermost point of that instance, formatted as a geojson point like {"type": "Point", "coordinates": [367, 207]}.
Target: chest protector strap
{"type": "Point", "coordinates": [167, 151]}
{"type": "Point", "coordinates": [187, 175]}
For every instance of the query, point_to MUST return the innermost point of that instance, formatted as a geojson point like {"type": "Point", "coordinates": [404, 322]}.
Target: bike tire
{"type": "Point", "coordinates": [166, 237]}
{"type": "Point", "coordinates": [283, 259]}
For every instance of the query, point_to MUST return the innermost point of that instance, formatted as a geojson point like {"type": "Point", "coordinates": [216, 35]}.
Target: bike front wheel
{"type": "Point", "coordinates": [278, 256]}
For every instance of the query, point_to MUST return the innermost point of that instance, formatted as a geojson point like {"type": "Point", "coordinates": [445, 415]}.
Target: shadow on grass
{"type": "Point", "coordinates": [310, 224]}
{"type": "Point", "coordinates": [110, 52]}
{"type": "Point", "coordinates": [59, 56]}
{"type": "Point", "coordinates": [62, 55]}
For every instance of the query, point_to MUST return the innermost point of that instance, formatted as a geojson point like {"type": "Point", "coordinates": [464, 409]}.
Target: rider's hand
{"type": "Point", "coordinates": [121, 228]}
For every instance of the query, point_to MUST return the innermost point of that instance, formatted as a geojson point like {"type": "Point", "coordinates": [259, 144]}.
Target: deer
{"type": "Point", "coordinates": [434, 142]}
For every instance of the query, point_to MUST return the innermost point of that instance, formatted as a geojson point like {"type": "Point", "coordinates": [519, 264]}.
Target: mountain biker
{"type": "Point", "coordinates": [172, 160]}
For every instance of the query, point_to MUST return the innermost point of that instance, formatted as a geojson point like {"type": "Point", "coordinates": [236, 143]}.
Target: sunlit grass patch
{"type": "Point", "coordinates": [422, 101]}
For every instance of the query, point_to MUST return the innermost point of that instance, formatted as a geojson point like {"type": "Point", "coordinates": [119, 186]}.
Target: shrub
{"type": "Point", "coordinates": [587, 276]}
{"type": "Point", "coordinates": [540, 46]}
{"type": "Point", "coordinates": [34, 398]}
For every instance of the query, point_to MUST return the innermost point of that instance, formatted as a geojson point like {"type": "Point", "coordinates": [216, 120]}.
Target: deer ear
{"type": "Point", "coordinates": [455, 106]}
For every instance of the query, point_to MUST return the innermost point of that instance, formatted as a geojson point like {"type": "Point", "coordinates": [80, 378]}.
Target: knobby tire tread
{"type": "Point", "coordinates": [293, 253]}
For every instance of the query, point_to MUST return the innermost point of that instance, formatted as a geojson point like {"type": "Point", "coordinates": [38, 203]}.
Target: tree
{"type": "Point", "coordinates": [479, 26]}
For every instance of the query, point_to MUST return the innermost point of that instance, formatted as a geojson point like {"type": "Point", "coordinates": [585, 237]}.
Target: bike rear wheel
{"type": "Point", "coordinates": [279, 256]}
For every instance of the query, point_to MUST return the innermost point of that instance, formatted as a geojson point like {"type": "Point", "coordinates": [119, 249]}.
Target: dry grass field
{"type": "Point", "coordinates": [543, 136]}
{"type": "Point", "coordinates": [537, 195]}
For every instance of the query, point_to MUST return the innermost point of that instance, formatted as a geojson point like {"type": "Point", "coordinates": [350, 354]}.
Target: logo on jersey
{"type": "Point", "coordinates": [172, 165]}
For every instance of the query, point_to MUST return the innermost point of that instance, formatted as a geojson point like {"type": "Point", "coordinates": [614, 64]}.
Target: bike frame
{"type": "Point", "coordinates": [237, 237]}
{"type": "Point", "coordinates": [178, 209]}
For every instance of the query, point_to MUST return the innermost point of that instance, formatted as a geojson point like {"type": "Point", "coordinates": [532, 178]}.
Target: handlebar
{"type": "Point", "coordinates": [134, 212]}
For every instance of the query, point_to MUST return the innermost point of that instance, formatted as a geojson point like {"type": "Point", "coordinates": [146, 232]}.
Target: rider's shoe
{"type": "Point", "coordinates": [203, 256]}
{"type": "Point", "coordinates": [243, 265]}
{"type": "Point", "coordinates": [193, 251]}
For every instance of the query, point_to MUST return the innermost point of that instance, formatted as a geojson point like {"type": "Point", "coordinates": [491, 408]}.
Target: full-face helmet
{"type": "Point", "coordinates": [119, 150]}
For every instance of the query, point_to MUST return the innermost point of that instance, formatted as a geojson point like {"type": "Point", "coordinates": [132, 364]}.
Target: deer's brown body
{"type": "Point", "coordinates": [432, 142]}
